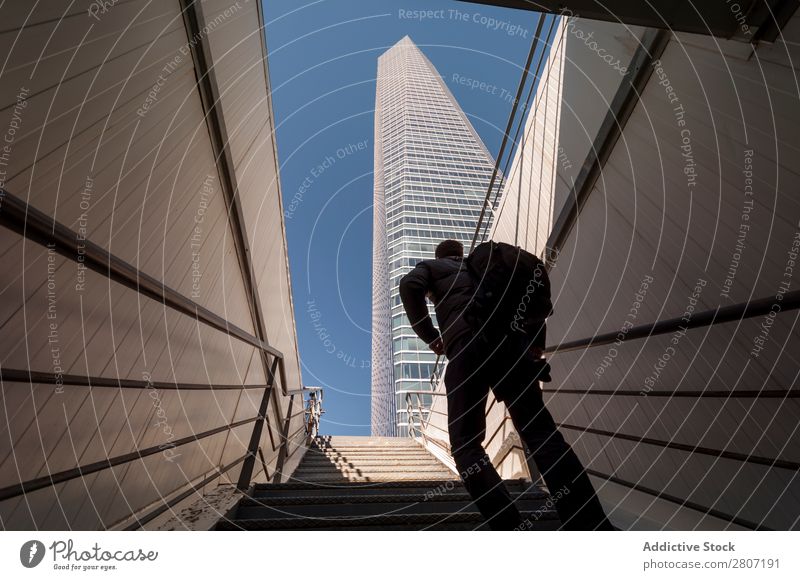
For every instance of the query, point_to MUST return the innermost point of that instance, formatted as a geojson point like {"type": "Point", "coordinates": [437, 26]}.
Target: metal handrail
{"type": "Point", "coordinates": [719, 315]}
{"type": "Point", "coordinates": [750, 309]}
{"type": "Point", "coordinates": [722, 314]}
{"type": "Point", "coordinates": [38, 227]}
{"type": "Point", "coordinates": [420, 412]}
{"type": "Point", "coordinates": [509, 125]}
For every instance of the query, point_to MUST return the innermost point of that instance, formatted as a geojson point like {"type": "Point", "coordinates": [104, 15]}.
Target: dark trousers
{"type": "Point", "coordinates": [512, 374]}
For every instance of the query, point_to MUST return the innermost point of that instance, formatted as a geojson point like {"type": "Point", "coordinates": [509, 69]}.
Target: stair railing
{"type": "Point", "coordinates": [417, 414]}
{"type": "Point", "coordinates": [276, 370]}
{"type": "Point", "coordinates": [419, 424]}
{"type": "Point", "coordinates": [40, 228]}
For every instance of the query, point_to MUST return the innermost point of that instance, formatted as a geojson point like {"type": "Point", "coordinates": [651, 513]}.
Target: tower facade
{"type": "Point", "coordinates": [431, 176]}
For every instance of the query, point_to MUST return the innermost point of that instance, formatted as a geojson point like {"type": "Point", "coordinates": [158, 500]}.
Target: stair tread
{"type": "Point", "coordinates": [373, 468]}
{"type": "Point", "coordinates": [427, 519]}
{"type": "Point", "coordinates": [327, 479]}
{"type": "Point", "coordinates": [348, 511]}
{"type": "Point", "coordinates": [451, 481]}
{"type": "Point", "coordinates": [432, 495]}
{"type": "Point", "coordinates": [348, 482]}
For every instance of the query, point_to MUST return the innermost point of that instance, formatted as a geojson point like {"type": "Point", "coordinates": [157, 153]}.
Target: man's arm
{"type": "Point", "coordinates": [413, 287]}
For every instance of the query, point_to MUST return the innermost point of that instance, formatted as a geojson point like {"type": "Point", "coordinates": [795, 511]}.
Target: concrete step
{"type": "Point", "coordinates": [344, 495]}
{"type": "Point", "coordinates": [376, 467]}
{"type": "Point", "coordinates": [538, 520]}
{"type": "Point", "coordinates": [368, 462]}
{"type": "Point", "coordinates": [373, 465]}
{"type": "Point", "coordinates": [373, 448]}
{"type": "Point", "coordinates": [333, 478]}
{"type": "Point", "coordinates": [370, 483]}
{"type": "Point", "coordinates": [367, 451]}
{"type": "Point", "coordinates": [363, 440]}
{"type": "Point", "coordinates": [337, 451]}
{"type": "Point", "coordinates": [370, 457]}
{"type": "Point", "coordinates": [346, 468]}
{"type": "Point", "coordinates": [343, 506]}
{"type": "Point", "coordinates": [349, 510]}
{"type": "Point", "coordinates": [441, 486]}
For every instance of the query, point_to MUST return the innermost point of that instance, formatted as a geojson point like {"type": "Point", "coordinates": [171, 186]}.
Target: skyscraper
{"type": "Point", "coordinates": [431, 176]}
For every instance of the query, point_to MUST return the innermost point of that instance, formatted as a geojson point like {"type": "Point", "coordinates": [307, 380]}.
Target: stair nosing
{"type": "Point", "coordinates": [386, 484]}
{"type": "Point", "coordinates": [377, 498]}
{"type": "Point", "coordinates": [385, 519]}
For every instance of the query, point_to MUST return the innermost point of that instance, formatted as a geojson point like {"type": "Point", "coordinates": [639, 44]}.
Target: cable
{"type": "Point", "coordinates": [521, 120]}
{"type": "Point", "coordinates": [512, 115]}
{"type": "Point", "coordinates": [550, 37]}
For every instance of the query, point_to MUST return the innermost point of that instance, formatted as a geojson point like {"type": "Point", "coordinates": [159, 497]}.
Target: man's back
{"type": "Point", "coordinates": [451, 289]}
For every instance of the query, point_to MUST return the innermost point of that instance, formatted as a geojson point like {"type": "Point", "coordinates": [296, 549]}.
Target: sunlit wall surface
{"type": "Point", "coordinates": [431, 176]}
{"type": "Point", "coordinates": [694, 209]}
{"type": "Point", "coordinates": [109, 134]}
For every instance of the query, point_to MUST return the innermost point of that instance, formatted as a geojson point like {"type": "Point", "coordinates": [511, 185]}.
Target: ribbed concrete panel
{"type": "Point", "coordinates": [670, 230]}
{"type": "Point", "coordinates": [143, 175]}
{"type": "Point", "coordinates": [733, 425]}
{"type": "Point", "coordinates": [238, 49]}
{"type": "Point", "coordinates": [588, 86]}
{"type": "Point", "coordinates": [112, 138]}
{"type": "Point", "coordinates": [714, 354]}
{"type": "Point", "coordinates": [105, 331]}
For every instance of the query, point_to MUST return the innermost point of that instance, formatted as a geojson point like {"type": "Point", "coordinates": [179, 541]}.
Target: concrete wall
{"type": "Point", "coordinates": [111, 138]}
{"type": "Point", "coordinates": [695, 209]}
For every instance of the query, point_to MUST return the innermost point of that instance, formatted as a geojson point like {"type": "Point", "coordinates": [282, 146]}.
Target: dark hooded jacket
{"type": "Point", "coordinates": [451, 289]}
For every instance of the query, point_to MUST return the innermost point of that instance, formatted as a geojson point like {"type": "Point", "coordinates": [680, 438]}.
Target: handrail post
{"type": "Point", "coordinates": [283, 450]}
{"type": "Point", "coordinates": [246, 474]}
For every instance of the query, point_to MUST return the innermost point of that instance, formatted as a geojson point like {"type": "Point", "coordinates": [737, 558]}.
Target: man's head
{"type": "Point", "coordinates": [450, 248]}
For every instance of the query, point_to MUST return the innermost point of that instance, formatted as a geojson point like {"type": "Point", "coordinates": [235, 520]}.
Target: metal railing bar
{"type": "Point", "coordinates": [210, 96]}
{"type": "Point", "coordinates": [80, 471]}
{"type": "Point", "coordinates": [719, 315]}
{"type": "Point", "coordinates": [743, 457]}
{"type": "Point", "coordinates": [682, 502]}
{"type": "Point", "coordinates": [40, 228]}
{"type": "Point", "coordinates": [139, 522]}
{"type": "Point", "coordinates": [293, 451]}
{"type": "Point", "coordinates": [510, 123]}
{"type": "Point", "coordinates": [427, 410]}
{"type": "Point", "coordinates": [263, 462]}
{"type": "Point", "coordinates": [503, 453]}
{"type": "Point", "coordinates": [440, 444]}
{"type": "Point", "coordinates": [255, 437]}
{"type": "Point", "coordinates": [707, 393]}
{"type": "Point", "coordinates": [208, 88]}
{"type": "Point", "coordinates": [37, 377]}
{"type": "Point", "coordinates": [282, 451]}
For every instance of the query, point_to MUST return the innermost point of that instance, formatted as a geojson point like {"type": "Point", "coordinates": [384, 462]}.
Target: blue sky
{"type": "Point", "coordinates": [323, 59]}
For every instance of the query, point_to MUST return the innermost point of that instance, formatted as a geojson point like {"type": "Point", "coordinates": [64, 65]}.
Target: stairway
{"type": "Point", "coordinates": [374, 483]}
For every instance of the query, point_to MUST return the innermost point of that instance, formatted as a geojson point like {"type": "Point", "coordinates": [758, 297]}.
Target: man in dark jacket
{"type": "Point", "coordinates": [512, 370]}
